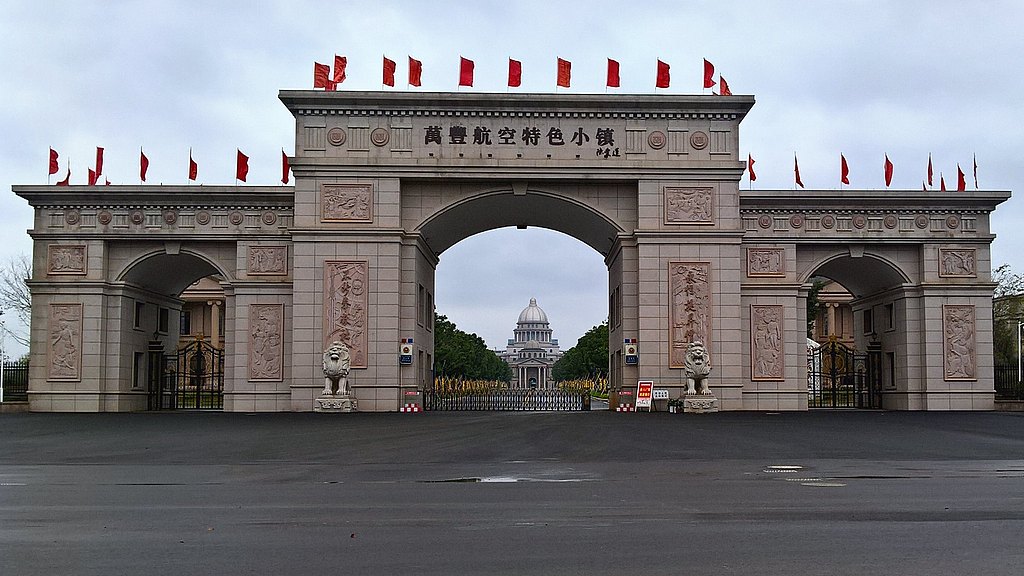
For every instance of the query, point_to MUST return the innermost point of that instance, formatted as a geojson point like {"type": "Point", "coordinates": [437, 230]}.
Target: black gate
{"type": "Point", "coordinates": [518, 399]}
{"type": "Point", "coordinates": [840, 377]}
{"type": "Point", "coordinates": [190, 379]}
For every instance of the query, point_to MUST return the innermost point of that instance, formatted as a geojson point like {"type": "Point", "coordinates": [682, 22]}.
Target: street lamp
{"type": "Point", "coordinates": [1020, 324]}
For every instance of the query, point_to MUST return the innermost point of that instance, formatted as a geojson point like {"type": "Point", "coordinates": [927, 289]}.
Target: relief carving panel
{"type": "Point", "coordinates": [766, 343]}
{"type": "Point", "coordinates": [266, 348]}
{"type": "Point", "coordinates": [688, 206]}
{"type": "Point", "coordinates": [64, 351]}
{"type": "Point", "coordinates": [345, 307]}
{"type": "Point", "coordinates": [268, 260]}
{"type": "Point", "coordinates": [346, 202]}
{"type": "Point", "coordinates": [66, 259]}
{"type": "Point", "coordinates": [957, 263]}
{"type": "Point", "coordinates": [959, 350]}
{"type": "Point", "coordinates": [689, 308]}
{"type": "Point", "coordinates": [765, 262]}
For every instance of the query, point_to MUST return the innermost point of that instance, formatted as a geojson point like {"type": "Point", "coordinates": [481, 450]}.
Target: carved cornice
{"type": "Point", "coordinates": [870, 201]}
{"type": "Point", "coordinates": [163, 197]}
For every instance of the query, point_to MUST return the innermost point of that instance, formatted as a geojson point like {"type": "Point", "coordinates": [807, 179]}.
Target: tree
{"type": "Point", "coordinates": [812, 304]}
{"type": "Point", "coordinates": [14, 294]}
{"type": "Point", "coordinates": [1007, 311]}
{"type": "Point", "coordinates": [587, 359]}
{"type": "Point", "coordinates": [461, 355]}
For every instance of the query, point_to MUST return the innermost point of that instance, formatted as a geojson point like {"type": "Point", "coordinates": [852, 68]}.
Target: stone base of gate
{"type": "Point", "coordinates": [700, 403]}
{"type": "Point", "coordinates": [335, 404]}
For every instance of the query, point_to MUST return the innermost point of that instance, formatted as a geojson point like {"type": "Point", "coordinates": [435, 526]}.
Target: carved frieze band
{"type": "Point", "coordinates": [688, 205]}
{"type": "Point", "coordinates": [346, 202]}
{"type": "Point", "coordinates": [766, 343]}
{"type": "Point", "coordinates": [960, 359]}
{"type": "Point", "coordinates": [957, 263]}
{"type": "Point", "coordinates": [689, 308]}
{"type": "Point", "coordinates": [65, 259]}
{"type": "Point", "coordinates": [345, 307]}
{"type": "Point", "coordinates": [64, 342]}
{"type": "Point", "coordinates": [266, 342]}
{"type": "Point", "coordinates": [268, 261]}
{"type": "Point", "coordinates": [766, 262]}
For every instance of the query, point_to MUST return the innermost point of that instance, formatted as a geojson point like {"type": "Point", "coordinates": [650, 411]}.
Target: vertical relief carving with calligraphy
{"type": "Point", "coordinates": [957, 263]}
{"type": "Point", "coordinates": [266, 347]}
{"type": "Point", "coordinates": [268, 260]}
{"type": "Point", "coordinates": [765, 262]}
{"type": "Point", "coordinates": [346, 202]}
{"type": "Point", "coordinates": [345, 307]}
{"type": "Point", "coordinates": [688, 206]}
{"type": "Point", "coordinates": [65, 259]}
{"type": "Point", "coordinates": [959, 350]}
{"type": "Point", "coordinates": [64, 352]}
{"type": "Point", "coordinates": [766, 343]}
{"type": "Point", "coordinates": [689, 308]}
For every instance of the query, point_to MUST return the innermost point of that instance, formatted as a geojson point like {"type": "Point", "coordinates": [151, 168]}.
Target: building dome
{"type": "Point", "coordinates": [533, 314]}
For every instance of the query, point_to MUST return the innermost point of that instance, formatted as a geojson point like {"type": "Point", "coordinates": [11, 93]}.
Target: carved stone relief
{"type": "Point", "coordinates": [66, 259]}
{"type": "Point", "coordinates": [268, 260]}
{"type": "Point", "coordinates": [345, 307]}
{"type": "Point", "coordinates": [959, 350]}
{"type": "Point", "coordinates": [957, 263]}
{"type": "Point", "coordinates": [346, 202]}
{"type": "Point", "coordinates": [689, 308]}
{"type": "Point", "coordinates": [688, 206]}
{"type": "Point", "coordinates": [64, 342]}
{"type": "Point", "coordinates": [266, 348]}
{"type": "Point", "coordinates": [765, 262]}
{"type": "Point", "coordinates": [767, 360]}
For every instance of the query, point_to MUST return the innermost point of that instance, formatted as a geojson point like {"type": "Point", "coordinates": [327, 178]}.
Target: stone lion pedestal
{"type": "Point", "coordinates": [337, 396]}
{"type": "Point", "coordinates": [700, 404]}
{"type": "Point", "coordinates": [335, 404]}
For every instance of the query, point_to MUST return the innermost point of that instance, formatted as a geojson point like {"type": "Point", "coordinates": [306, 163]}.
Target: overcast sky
{"type": "Point", "coordinates": [863, 78]}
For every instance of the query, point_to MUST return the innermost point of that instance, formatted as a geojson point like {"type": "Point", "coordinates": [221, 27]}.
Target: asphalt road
{"type": "Point", "coordinates": [512, 493]}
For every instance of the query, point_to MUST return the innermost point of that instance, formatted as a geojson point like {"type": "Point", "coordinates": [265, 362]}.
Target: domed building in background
{"type": "Point", "coordinates": [532, 352]}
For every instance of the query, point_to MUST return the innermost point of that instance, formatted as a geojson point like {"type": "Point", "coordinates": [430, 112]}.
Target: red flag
{"type": "Point", "coordinates": [99, 161]}
{"type": "Point", "coordinates": [93, 176]}
{"type": "Point", "coordinates": [942, 182]}
{"type": "Point", "coordinates": [515, 73]}
{"type": "Point", "coordinates": [750, 167]}
{"type": "Point", "coordinates": [564, 73]}
{"type": "Point", "coordinates": [723, 87]}
{"type": "Point", "coordinates": [193, 168]}
{"type": "Point", "coordinates": [143, 165]}
{"type": "Point", "coordinates": [929, 169]}
{"type": "Point", "coordinates": [961, 182]}
{"type": "Point", "coordinates": [975, 171]}
{"type": "Point", "coordinates": [53, 162]}
{"type": "Point", "coordinates": [415, 71]}
{"type": "Point", "coordinates": [340, 63]}
{"type": "Point", "coordinates": [66, 180]}
{"type": "Point", "coordinates": [796, 170]}
{"type": "Point", "coordinates": [844, 170]}
{"type": "Point", "coordinates": [284, 167]}
{"type": "Point", "coordinates": [888, 171]}
{"type": "Point", "coordinates": [465, 71]}
{"type": "Point", "coordinates": [709, 74]}
{"type": "Point", "coordinates": [663, 76]}
{"type": "Point", "coordinates": [321, 76]}
{"type": "Point", "coordinates": [613, 73]}
{"type": "Point", "coordinates": [389, 71]}
{"type": "Point", "coordinates": [241, 166]}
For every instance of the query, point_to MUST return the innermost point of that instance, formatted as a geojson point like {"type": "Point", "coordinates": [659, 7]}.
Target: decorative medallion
{"type": "Point", "coordinates": [688, 206]}
{"type": "Point", "coordinates": [656, 140]}
{"type": "Point", "coordinates": [202, 217]}
{"type": "Point", "coordinates": [345, 307]}
{"type": "Point", "coordinates": [268, 260]}
{"type": "Point", "coordinates": [64, 345]}
{"type": "Point", "coordinates": [859, 221]}
{"type": "Point", "coordinates": [72, 217]}
{"type": "Point", "coordinates": [137, 217]}
{"type": "Point", "coordinates": [689, 308]}
{"type": "Point", "coordinates": [235, 217]}
{"type": "Point", "coordinates": [955, 263]}
{"type": "Point", "coordinates": [796, 221]}
{"type": "Point", "coordinates": [104, 217]}
{"type": "Point", "coordinates": [890, 221]}
{"type": "Point", "coordinates": [170, 216]}
{"type": "Point", "coordinates": [921, 221]}
{"type": "Point", "coordinates": [346, 202]}
{"type": "Point", "coordinates": [699, 140]}
{"type": "Point", "coordinates": [767, 360]}
{"type": "Point", "coordinates": [268, 217]}
{"type": "Point", "coordinates": [380, 137]}
{"type": "Point", "coordinates": [828, 221]}
{"type": "Point", "coordinates": [64, 259]}
{"type": "Point", "coordinates": [952, 222]}
{"type": "Point", "coordinates": [266, 354]}
{"type": "Point", "coordinates": [763, 262]}
{"type": "Point", "coordinates": [336, 136]}
{"type": "Point", "coordinates": [764, 221]}
{"type": "Point", "coordinates": [959, 350]}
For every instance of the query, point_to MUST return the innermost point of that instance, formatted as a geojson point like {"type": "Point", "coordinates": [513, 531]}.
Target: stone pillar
{"type": "Point", "coordinates": [214, 322]}
{"type": "Point", "coordinates": [832, 320]}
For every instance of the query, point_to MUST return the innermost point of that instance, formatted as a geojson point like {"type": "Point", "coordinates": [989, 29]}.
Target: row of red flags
{"type": "Point", "coordinates": [324, 78]}
{"type": "Point", "coordinates": [887, 170]}
{"type": "Point", "coordinates": [241, 167]}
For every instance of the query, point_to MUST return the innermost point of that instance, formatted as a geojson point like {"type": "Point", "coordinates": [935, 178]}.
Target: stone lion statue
{"type": "Point", "coordinates": [336, 366]}
{"type": "Point", "coordinates": [697, 366]}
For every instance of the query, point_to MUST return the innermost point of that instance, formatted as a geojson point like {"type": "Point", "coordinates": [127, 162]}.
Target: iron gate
{"type": "Point", "coordinates": [517, 399]}
{"type": "Point", "coordinates": [840, 377]}
{"type": "Point", "coordinates": [190, 379]}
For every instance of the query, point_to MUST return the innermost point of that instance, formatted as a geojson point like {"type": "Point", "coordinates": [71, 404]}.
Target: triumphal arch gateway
{"type": "Point", "coordinates": [386, 182]}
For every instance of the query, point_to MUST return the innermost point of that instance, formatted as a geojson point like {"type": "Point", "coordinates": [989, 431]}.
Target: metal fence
{"type": "Point", "coordinates": [1008, 385]}
{"type": "Point", "coordinates": [15, 382]}
{"type": "Point", "coordinates": [509, 400]}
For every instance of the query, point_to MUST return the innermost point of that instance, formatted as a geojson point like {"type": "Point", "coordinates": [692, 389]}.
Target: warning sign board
{"type": "Point", "coordinates": [644, 393]}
